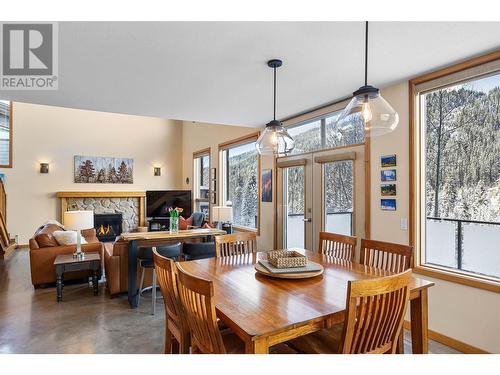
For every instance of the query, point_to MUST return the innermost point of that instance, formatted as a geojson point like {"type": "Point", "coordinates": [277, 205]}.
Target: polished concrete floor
{"type": "Point", "coordinates": [31, 321]}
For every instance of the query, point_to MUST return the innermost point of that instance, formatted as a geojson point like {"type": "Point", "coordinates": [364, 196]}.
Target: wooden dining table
{"type": "Point", "coordinates": [265, 311]}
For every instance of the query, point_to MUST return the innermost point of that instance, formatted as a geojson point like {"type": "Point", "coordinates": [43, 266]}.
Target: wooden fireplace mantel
{"type": "Point", "coordinates": [141, 195]}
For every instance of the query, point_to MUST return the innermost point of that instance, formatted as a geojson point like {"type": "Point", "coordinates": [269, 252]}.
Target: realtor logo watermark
{"type": "Point", "coordinates": [29, 56]}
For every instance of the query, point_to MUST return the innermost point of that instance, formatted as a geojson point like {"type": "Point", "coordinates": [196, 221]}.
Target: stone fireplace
{"type": "Point", "coordinates": [129, 205]}
{"type": "Point", "coordinates": [107, 226]}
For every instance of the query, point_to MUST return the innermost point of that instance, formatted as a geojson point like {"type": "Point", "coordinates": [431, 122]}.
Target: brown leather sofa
{"type": "Point", "coordinates": [44, 249]}
{"type": "Point", "coordinates": [116, 266]}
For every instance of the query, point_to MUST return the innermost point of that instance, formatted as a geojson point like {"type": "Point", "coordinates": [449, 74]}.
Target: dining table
{"type": "Point", "coordinates": [264, 311]}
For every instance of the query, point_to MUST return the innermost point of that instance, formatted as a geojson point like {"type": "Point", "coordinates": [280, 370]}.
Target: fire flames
{"type": "Point", "coordinates": [104, 230]}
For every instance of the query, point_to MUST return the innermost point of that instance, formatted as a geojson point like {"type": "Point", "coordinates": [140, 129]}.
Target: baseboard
{"type": "Point", "coordinates": [23, 246]}
{"type": "Point", "coordinates": [9, 250]}
{"type": "Point", "coordinates": [451, 342]}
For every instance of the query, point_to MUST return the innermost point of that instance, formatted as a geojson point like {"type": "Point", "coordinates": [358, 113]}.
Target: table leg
{"type": "Point", "coordinates": [95, 283]}
{"type": "Point", "coordinates": [132, 274]}
{"type": "Point", "coordinates": [419, 323]}
{"type": "Point", "coordinates": [59, 283]}
{"type": "Point", "coordinates": [257, 346]}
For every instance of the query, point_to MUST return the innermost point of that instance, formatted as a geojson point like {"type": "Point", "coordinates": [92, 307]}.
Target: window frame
{"type": "Point", "coordinates": [417, 190]}
{"type": "Point", "coordinates": [9, 165]}
{"type": "Point", "coordinates": [195, 185]}
{"type": "Point", "coordinates": [223, 175]}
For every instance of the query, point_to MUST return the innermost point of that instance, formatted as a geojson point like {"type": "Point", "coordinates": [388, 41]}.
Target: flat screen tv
{"type": "Point", "coordinates": [159, 201]}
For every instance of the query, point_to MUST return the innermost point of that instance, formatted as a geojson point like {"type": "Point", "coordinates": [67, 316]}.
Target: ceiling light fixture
{"type": "Point", "coordinates": [378, 116]}
{"type": "Point", "coordinates": [274, 140]}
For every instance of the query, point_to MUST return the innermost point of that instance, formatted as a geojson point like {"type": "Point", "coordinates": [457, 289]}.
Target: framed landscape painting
{"type": "Point", "coordinates": [388, 189]}
{"type": "Point", "coordinates": [388, 204]}
{"type": "Point", "coordinates": [267, 185]}
{"type": "Point", "coordinates": [388, 175]}
{"type": "Point", "coordinates": [103, 170]}
{"type": "Point", "coordinates": [388, 161]}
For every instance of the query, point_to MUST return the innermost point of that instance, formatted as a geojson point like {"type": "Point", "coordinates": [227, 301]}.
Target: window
{"type": "Point", "coordinates": [458, 200]}
{"type": "Point", "coordinates": [240, 178]}
{"type": "Point", "coordinates": [338, 187]}
{"type": "Point", "coordinates": [5, 134]}
{"type": "Point", "coordinates": [322, 132]}
{"type": "Point", "coordinates": [201, 181]}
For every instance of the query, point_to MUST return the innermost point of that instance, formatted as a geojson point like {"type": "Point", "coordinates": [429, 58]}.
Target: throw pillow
{"type": "Point", "coordinates": [66, 237]}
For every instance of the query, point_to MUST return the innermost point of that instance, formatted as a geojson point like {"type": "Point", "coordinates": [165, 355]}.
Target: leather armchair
{"type": "Point", "coordinates": [44, 250]}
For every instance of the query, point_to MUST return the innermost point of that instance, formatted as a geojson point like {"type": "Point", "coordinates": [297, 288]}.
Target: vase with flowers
{"type": "Point", "coordinates": [174, 219]}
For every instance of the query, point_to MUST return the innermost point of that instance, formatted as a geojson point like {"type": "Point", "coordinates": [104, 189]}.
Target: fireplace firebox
{"type": "Point", "coordinates": [107, 226]}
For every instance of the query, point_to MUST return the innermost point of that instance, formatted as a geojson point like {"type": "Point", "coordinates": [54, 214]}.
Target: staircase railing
{"type": "Point", "coordinates": [4, 234]}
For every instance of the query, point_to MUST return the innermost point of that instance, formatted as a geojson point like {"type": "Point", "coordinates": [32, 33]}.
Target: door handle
{"type": "Point", "coordinates": [307, 220]}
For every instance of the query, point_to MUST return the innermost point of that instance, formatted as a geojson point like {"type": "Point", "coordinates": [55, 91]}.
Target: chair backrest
{"type": "Point", "coordinates": [375, 313]}
{"type": "Point", "coordinates": [235, 244]}
{"type": "Point", "coordinates": [197, 295]}
{"type": "Point", "coordinates": [337, 245]}
{"type": "Point", "coordinates": [166, 273]}
{"type": "Point", "coordinates": [386, 255]}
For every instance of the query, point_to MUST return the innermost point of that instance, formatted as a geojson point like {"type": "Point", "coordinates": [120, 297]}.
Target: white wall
{"type": "Point", "coordinates": [198, 136]}
{"type": "Point", "coordinates": [464, 313]}
{"type": "Point", "coordinates": [55, 135]}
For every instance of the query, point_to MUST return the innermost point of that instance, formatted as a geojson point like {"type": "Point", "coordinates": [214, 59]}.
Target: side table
{"type": "Point", "coordinates": [67, 263]}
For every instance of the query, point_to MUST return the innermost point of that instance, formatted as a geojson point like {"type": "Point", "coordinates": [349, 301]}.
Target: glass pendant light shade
{"type": "Point", "coordinates": [369, 106]}
{"type": "Point", "coordinates": [274, 140]}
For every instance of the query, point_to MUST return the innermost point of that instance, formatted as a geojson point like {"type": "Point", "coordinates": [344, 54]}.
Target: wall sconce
{"type": "Point", "coordinates": [157, 171]}
{"type": "Point", "coordinates": [44, 167]}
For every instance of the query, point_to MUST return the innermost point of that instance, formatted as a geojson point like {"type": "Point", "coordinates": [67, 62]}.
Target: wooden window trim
{"type": "Point", "coordinates": [197, 154]}
{"type": "Point", "coordinates": [455, 276]}
{"type": "Point", "coordinates": [252, 137]}
{"type": "Point", "coordinates": [10, 136]}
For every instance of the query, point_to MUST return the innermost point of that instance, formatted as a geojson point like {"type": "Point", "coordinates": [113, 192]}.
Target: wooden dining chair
{"type": "Point", "coordinates": [176, 327]}
{"type": "Point", "coordinates": [375, 311]}
{"type": "Point", "coordinates": [235, 244]}
{"type": "Point", "coordinates": [386, 255]}
{"type": "Point", "coordinates": [197, 298]}
{"type": "Point", "coordinates": [337, 245]}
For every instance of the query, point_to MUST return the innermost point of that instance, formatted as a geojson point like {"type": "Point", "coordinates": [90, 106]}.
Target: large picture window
{"type": "Point", "coordinates": [5, 134]}
{"type": "Point", "coordinates": [322, 133]}
{"type": "Point", "coordinates": [240, 179]}
{"type": "Point", "coordinates": [458, 204]}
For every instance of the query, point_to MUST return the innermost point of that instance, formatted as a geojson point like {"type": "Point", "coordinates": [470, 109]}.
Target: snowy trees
{"type": "Point", "coordinates": [462, 136]}
{"type": "Point", "coordinates": [103, 170]}
{"type": "Point", "coordinates": [243, 188]}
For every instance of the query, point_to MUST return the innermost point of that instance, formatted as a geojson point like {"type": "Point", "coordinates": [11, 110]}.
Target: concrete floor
{"type": "Point", "coordinates": [31, 321]}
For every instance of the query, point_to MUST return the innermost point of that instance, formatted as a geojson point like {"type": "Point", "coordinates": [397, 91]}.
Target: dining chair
{"type": "Point", "coordinates": [386, 255]}
{"type": "Point", "coordinates": [235, 244]}
{"type": "Point", "coordinates": [337, 245]}
{"type": "Point", "coordinates": [176, 327]}
{"type": "Point", "coordinates": [197, 298]}
{"type": "Point", "coordinates": [375, 311]}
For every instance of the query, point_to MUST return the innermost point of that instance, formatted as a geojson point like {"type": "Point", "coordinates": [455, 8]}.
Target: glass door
{"type": "Point", "coordinates": [295, 203]}
{"type": "Point", "coordinates": [321, 191]}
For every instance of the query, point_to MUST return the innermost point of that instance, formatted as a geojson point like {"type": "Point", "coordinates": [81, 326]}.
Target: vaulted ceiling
{"type": "Point", "coordinates": [216, 71]}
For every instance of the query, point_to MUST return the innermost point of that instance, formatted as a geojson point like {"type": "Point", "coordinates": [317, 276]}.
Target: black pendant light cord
{"type": "Point", "coordinates": [274, 109]}
{"type": "Point", "coordinates": [366, 53]}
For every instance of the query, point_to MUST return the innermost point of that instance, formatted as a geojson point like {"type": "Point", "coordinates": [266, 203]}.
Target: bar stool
{"type": "Point", "coordinates": [145, 260]}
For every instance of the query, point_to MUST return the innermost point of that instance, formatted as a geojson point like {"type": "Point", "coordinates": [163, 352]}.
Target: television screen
{"type": "Point", "coordinates": [159, 201]}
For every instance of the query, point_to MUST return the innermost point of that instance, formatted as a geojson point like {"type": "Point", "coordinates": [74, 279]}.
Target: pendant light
{"type": "Point", "coordinates": [274, 140]}
{"type": "Point", "coordinates": [378, 116]}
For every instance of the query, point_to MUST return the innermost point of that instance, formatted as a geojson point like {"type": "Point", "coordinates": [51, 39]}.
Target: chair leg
{"type": "Point", "coordinates": [184, 344]}
{"type": "Point", "coordinates": [168, 340]}
{"type": "Point", "coordinates": [400, 349]}
{"type": "Point", "coordinates": [153, 292]}
{"type": "Point", "coordinates": [140, 286]}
